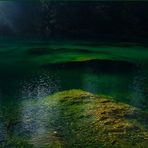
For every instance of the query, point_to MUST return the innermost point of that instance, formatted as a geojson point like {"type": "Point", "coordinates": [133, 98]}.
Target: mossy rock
{"type": "Point", "coordinates": [98, 121]}
{"type": "Point", "coordinates": [76, 119]}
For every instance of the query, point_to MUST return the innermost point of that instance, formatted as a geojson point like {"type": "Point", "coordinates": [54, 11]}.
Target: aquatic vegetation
{"type": "Point", "coordinates": [55, 52]}
{"type": "Point", "coordinates": [97, 120]}
{"type": "Point", "coordinates": [76, 118]}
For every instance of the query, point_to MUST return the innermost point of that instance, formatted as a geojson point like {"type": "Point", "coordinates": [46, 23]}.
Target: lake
{"type": "Point", "coordinates": [33, 70]}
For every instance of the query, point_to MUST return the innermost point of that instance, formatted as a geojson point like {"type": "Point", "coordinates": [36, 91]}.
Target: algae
{"type": "Point", "coordinates": [76, 119]}
{"type": "Point", "coordinates": [98, 121]}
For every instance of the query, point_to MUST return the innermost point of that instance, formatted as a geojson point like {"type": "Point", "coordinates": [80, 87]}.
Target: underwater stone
{"type": "Point", "coordinates": [76, 118]}
{"type": "Point", "coordinates": [99, 120]}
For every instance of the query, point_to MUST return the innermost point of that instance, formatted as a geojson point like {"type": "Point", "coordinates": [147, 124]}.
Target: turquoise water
{"type": "Point", "coordinates": [34, 70]}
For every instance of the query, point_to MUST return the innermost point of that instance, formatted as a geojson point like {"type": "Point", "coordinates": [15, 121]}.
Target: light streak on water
{"type": "Point", "coordinates": [41, 85]}
{"type": "Point", "coordinates": [8, 12]}
{"type": "Point", "coordinates": [39, 120]}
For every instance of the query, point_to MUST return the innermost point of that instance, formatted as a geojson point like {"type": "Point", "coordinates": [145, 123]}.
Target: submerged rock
{"type": "Point", "coordinates": [98, 121]}
{"type": "Point", "coordinates": [76, 119]}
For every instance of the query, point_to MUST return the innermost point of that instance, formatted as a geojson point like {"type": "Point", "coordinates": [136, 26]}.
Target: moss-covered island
{"type": "Point", "coordinates": [76, 119]}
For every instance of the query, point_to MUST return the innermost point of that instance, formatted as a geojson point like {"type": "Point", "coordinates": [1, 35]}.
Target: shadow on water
{"type": "Point", "coordinates": [96, 66]}
{"type": "Point", "coordinates": [96, 76]}
{"type": "Point", "coordinates": [48, 51]}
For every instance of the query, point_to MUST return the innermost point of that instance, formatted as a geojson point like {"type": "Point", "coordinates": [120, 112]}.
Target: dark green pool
{"type": "Point", "coordinates": [34, 70]}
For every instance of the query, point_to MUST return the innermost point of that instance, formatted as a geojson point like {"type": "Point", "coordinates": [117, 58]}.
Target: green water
{"type": "Point", "coordinates": [36, 69]}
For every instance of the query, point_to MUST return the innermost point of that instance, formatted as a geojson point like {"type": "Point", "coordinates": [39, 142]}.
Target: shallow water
{"type": "Point", "coordinates": [26, 73]}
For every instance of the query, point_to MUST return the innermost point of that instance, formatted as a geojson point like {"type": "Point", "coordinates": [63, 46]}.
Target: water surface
{"type": "Point", "coordinates": [36, 69]}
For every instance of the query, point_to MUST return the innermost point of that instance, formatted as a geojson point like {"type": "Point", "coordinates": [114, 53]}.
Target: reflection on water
{"type": "Point", "coordinates": [37, 121]}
